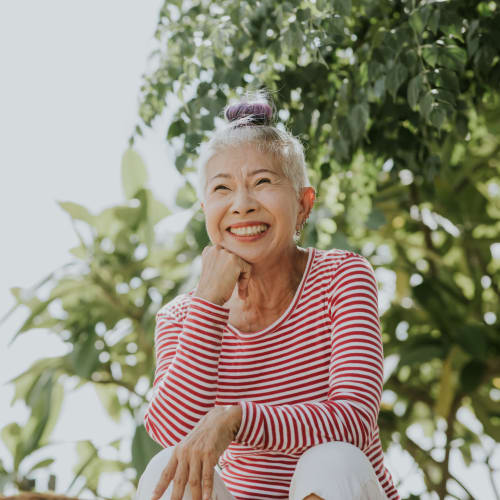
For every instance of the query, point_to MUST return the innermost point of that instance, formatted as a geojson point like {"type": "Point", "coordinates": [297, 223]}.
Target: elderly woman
{"type": "Point", "coordinates": [269, 374]}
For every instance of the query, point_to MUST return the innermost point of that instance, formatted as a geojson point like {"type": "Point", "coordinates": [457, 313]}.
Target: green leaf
{"type": "Point", "coordinates": [40, 465]}
{"type": "Point", "coordinates": [358, 119]}
{"type": "Point", "coordinates": [80, 252]}
{"type": "Point", "coordinates": [430, 53]}
{"type": "Point", "coordinates": [437, 116]}
{"type": "Point", "coordinates": [77, 211]}
{"type": "Point", "coordinates": [106, 222]}
{"type": "Point", "coordinates": [180, 162]}
{"type": "Point", "coordinates": [395, 77]}
{"type": "Point", "coordinates": [85, 357]}
{"type": "Point", "coordinates": [447, 79]}
{"type": "Point", "coordinates": [55, 405]}
{"type": "Point", "coordinates": [418, 18]}
{"type": "Point", "coordinates": [11, 434]}
{"type": "Point", "coordinates": [176, 128]}
{"type": "Point", "coordinates": [35, 427]}
{"type": "Point", "coordinates": [433, 23]}
{"type": "Point", "coordinates": [134, 173]}
{"type": "Point", "coordinates": [143, 449]}
{"type": "Point", "coordinates": [484, 413]}
{"type": "Point", "coordinates": [425, 104]}
{"type": "Point", "coordinates": [453, 57]}
{"type": "Point", "coordinates": [415, 88]}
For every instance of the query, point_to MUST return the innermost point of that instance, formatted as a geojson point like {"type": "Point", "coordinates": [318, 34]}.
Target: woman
{"type": "Point", "coordinates": [269, 374]}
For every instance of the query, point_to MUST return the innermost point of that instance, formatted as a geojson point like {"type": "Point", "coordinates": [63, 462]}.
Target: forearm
{"type": "Point", "coordinates": [295, 428]}
{"type": "Point", "coordinates": [186, 390]}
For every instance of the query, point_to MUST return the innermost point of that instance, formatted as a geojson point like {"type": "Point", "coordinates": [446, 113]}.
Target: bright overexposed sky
{"type": "Point", "coordinates": [70, 73]}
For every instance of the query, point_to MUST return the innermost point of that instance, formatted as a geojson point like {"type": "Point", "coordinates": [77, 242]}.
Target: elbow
{"type": "Point", "coordinates": [155, 432]}
{"type": "Point", "coordinates": [365, 429]}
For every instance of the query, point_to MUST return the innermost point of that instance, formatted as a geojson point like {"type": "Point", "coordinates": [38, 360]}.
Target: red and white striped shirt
{"type": "Point", "coordinates": [314, 375]}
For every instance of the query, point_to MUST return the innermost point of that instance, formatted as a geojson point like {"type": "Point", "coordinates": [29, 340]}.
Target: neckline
{"type": "Point", "coordinates": [247, 335]}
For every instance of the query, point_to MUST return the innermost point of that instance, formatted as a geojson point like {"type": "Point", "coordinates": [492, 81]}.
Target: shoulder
{"type": "Point", "coordinates": [176, 309]}
{"type": "Point", "coordinates": [336, 268]}
{"type": "Point", "coordinates": [333, 260]}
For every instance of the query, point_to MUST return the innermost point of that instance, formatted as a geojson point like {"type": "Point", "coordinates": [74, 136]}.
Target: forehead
{"type": "Point", "coordinates": [241, 160]}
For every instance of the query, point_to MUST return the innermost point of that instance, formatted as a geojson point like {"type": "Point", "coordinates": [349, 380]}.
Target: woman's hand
{"type": "Point", "coordinates": [221, 270]}
{"type": "Point", "coordinates": [194, 458]}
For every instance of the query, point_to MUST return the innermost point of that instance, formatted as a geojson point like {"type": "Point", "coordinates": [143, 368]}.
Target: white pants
{"type": "Point", "coordinates": [333, 471]}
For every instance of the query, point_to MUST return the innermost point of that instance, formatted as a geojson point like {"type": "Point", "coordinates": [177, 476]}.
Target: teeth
{"type": "Point", "coordinates": [248, 230]}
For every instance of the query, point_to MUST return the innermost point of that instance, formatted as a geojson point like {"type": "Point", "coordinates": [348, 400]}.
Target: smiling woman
{"type": "Point", "coordinates": [271, 369]}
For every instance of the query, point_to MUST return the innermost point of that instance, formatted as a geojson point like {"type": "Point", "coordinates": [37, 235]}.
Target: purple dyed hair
{"type": "Point", "coordinates": [258, 113]}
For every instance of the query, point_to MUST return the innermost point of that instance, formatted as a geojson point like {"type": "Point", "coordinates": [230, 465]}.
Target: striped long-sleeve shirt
{"type": "Point", "coordinates": [312, 376]}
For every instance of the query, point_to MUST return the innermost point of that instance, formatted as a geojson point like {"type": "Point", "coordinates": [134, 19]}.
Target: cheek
{"type": "Point", "coordinates": [213, 218]}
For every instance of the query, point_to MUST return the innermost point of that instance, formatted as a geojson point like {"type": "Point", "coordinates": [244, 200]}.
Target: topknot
{"type": "Point", "coordinates": [256, 113]}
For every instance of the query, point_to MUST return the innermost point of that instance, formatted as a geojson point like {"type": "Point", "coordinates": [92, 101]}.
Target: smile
{"type": "Point", "coordinates": [248, 230]}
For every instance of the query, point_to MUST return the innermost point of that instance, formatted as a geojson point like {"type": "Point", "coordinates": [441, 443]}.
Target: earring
{"type": "Point", "coordinates": [299, 228]}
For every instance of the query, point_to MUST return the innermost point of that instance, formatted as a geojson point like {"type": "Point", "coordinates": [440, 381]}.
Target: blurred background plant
{"type": "Point", "coordinates": [399, 108]}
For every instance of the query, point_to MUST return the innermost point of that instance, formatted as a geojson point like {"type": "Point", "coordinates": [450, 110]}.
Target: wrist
{"type": "Point", "coordinates": [206, 296]}
{"type": "Point", "coordinates": [234, 415]}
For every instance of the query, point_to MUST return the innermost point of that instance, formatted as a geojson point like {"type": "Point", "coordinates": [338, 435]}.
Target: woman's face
{"type": "Point", "coordinates": [251, 207]}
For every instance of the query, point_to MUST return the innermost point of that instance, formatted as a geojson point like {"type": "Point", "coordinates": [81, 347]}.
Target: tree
{"type": "Point", "coordinates": [398, 105]}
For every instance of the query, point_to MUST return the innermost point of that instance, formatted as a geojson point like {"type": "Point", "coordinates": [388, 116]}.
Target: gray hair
{"type": "Point", "coordinates": [279, 142]}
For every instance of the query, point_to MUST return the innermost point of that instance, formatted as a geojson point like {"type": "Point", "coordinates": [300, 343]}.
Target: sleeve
{"type": "Point", "coordinates": [187, 360]}
{"type": "Point", "coordinates": [355, 375]}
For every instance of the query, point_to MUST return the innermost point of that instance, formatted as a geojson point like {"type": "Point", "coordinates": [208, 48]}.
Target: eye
{"type": "Point", "coordinates": [220, 186]}
{"type": "Point", "coordinates": [263, 180]}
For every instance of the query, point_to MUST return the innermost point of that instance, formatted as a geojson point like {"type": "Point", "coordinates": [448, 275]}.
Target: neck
{"type": "Point", "coordinates": [273, 283]}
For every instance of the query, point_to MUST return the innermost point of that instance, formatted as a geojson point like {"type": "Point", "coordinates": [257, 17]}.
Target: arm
{"type": "Point", "coordinates": [355, 376]}
{"type": "Point", "coordinates": [187, 359]}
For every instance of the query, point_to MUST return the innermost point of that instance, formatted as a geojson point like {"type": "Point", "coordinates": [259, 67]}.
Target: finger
{"type": "Point", "coordinates": [165, 478]}
{"type": "Point", "coordinates": [207, 480]}
{"type": "Point", "coordinates": [180, 480]}
{"type": "Point", "coordinates": [194, 481]}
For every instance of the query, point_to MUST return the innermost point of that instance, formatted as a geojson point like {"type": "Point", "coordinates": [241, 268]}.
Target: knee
{"type": "Point", "coordinates": [337, 457]}
{"type": "Point", "coordinates": [152, 473]}
{"type": "Point", "coordinates": [332, 467]}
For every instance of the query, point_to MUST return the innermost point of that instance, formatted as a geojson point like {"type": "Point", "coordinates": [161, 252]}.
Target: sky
{"type": "Point", "coordinates": [69, 87]}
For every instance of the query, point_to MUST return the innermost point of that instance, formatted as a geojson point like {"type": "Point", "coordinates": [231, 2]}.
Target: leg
{"type": "Point", "coordinates": [152, 474]}
{"type": "Point", "coordinates": [333, 471]}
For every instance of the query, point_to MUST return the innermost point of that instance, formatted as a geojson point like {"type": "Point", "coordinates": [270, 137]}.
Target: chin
{"type": "Point", "coordinates": [251, 255]}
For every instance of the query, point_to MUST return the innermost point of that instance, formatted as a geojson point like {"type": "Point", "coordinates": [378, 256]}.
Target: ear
{"type": "Point", "coordinates": [306, 202]}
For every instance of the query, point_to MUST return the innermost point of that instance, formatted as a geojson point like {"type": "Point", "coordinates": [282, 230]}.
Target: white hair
{"type": "Point", "coordinates": [280, 143]}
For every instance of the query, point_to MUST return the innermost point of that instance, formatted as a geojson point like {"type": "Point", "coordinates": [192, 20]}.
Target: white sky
{"type": "Point", "coordinates": [70, 73]}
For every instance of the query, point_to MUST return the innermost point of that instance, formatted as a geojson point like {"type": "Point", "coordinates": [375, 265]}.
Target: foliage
{"type": "Point", "coordinates": [398, 105]}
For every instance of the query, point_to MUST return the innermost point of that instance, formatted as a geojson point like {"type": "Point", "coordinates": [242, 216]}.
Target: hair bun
{"type": "Point", "coordinates": [258, 113]}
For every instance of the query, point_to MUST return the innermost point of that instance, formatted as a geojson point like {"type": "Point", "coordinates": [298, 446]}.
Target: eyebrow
{"type": "Point", "coordinates": [254, 172]}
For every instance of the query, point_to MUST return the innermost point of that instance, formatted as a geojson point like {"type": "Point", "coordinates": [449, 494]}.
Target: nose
{"type": "Point", "coordinates": [243, 202]}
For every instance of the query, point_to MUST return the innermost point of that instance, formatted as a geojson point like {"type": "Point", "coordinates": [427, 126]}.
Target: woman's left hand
{"type": "Point", "coordinates": [194, 458]}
